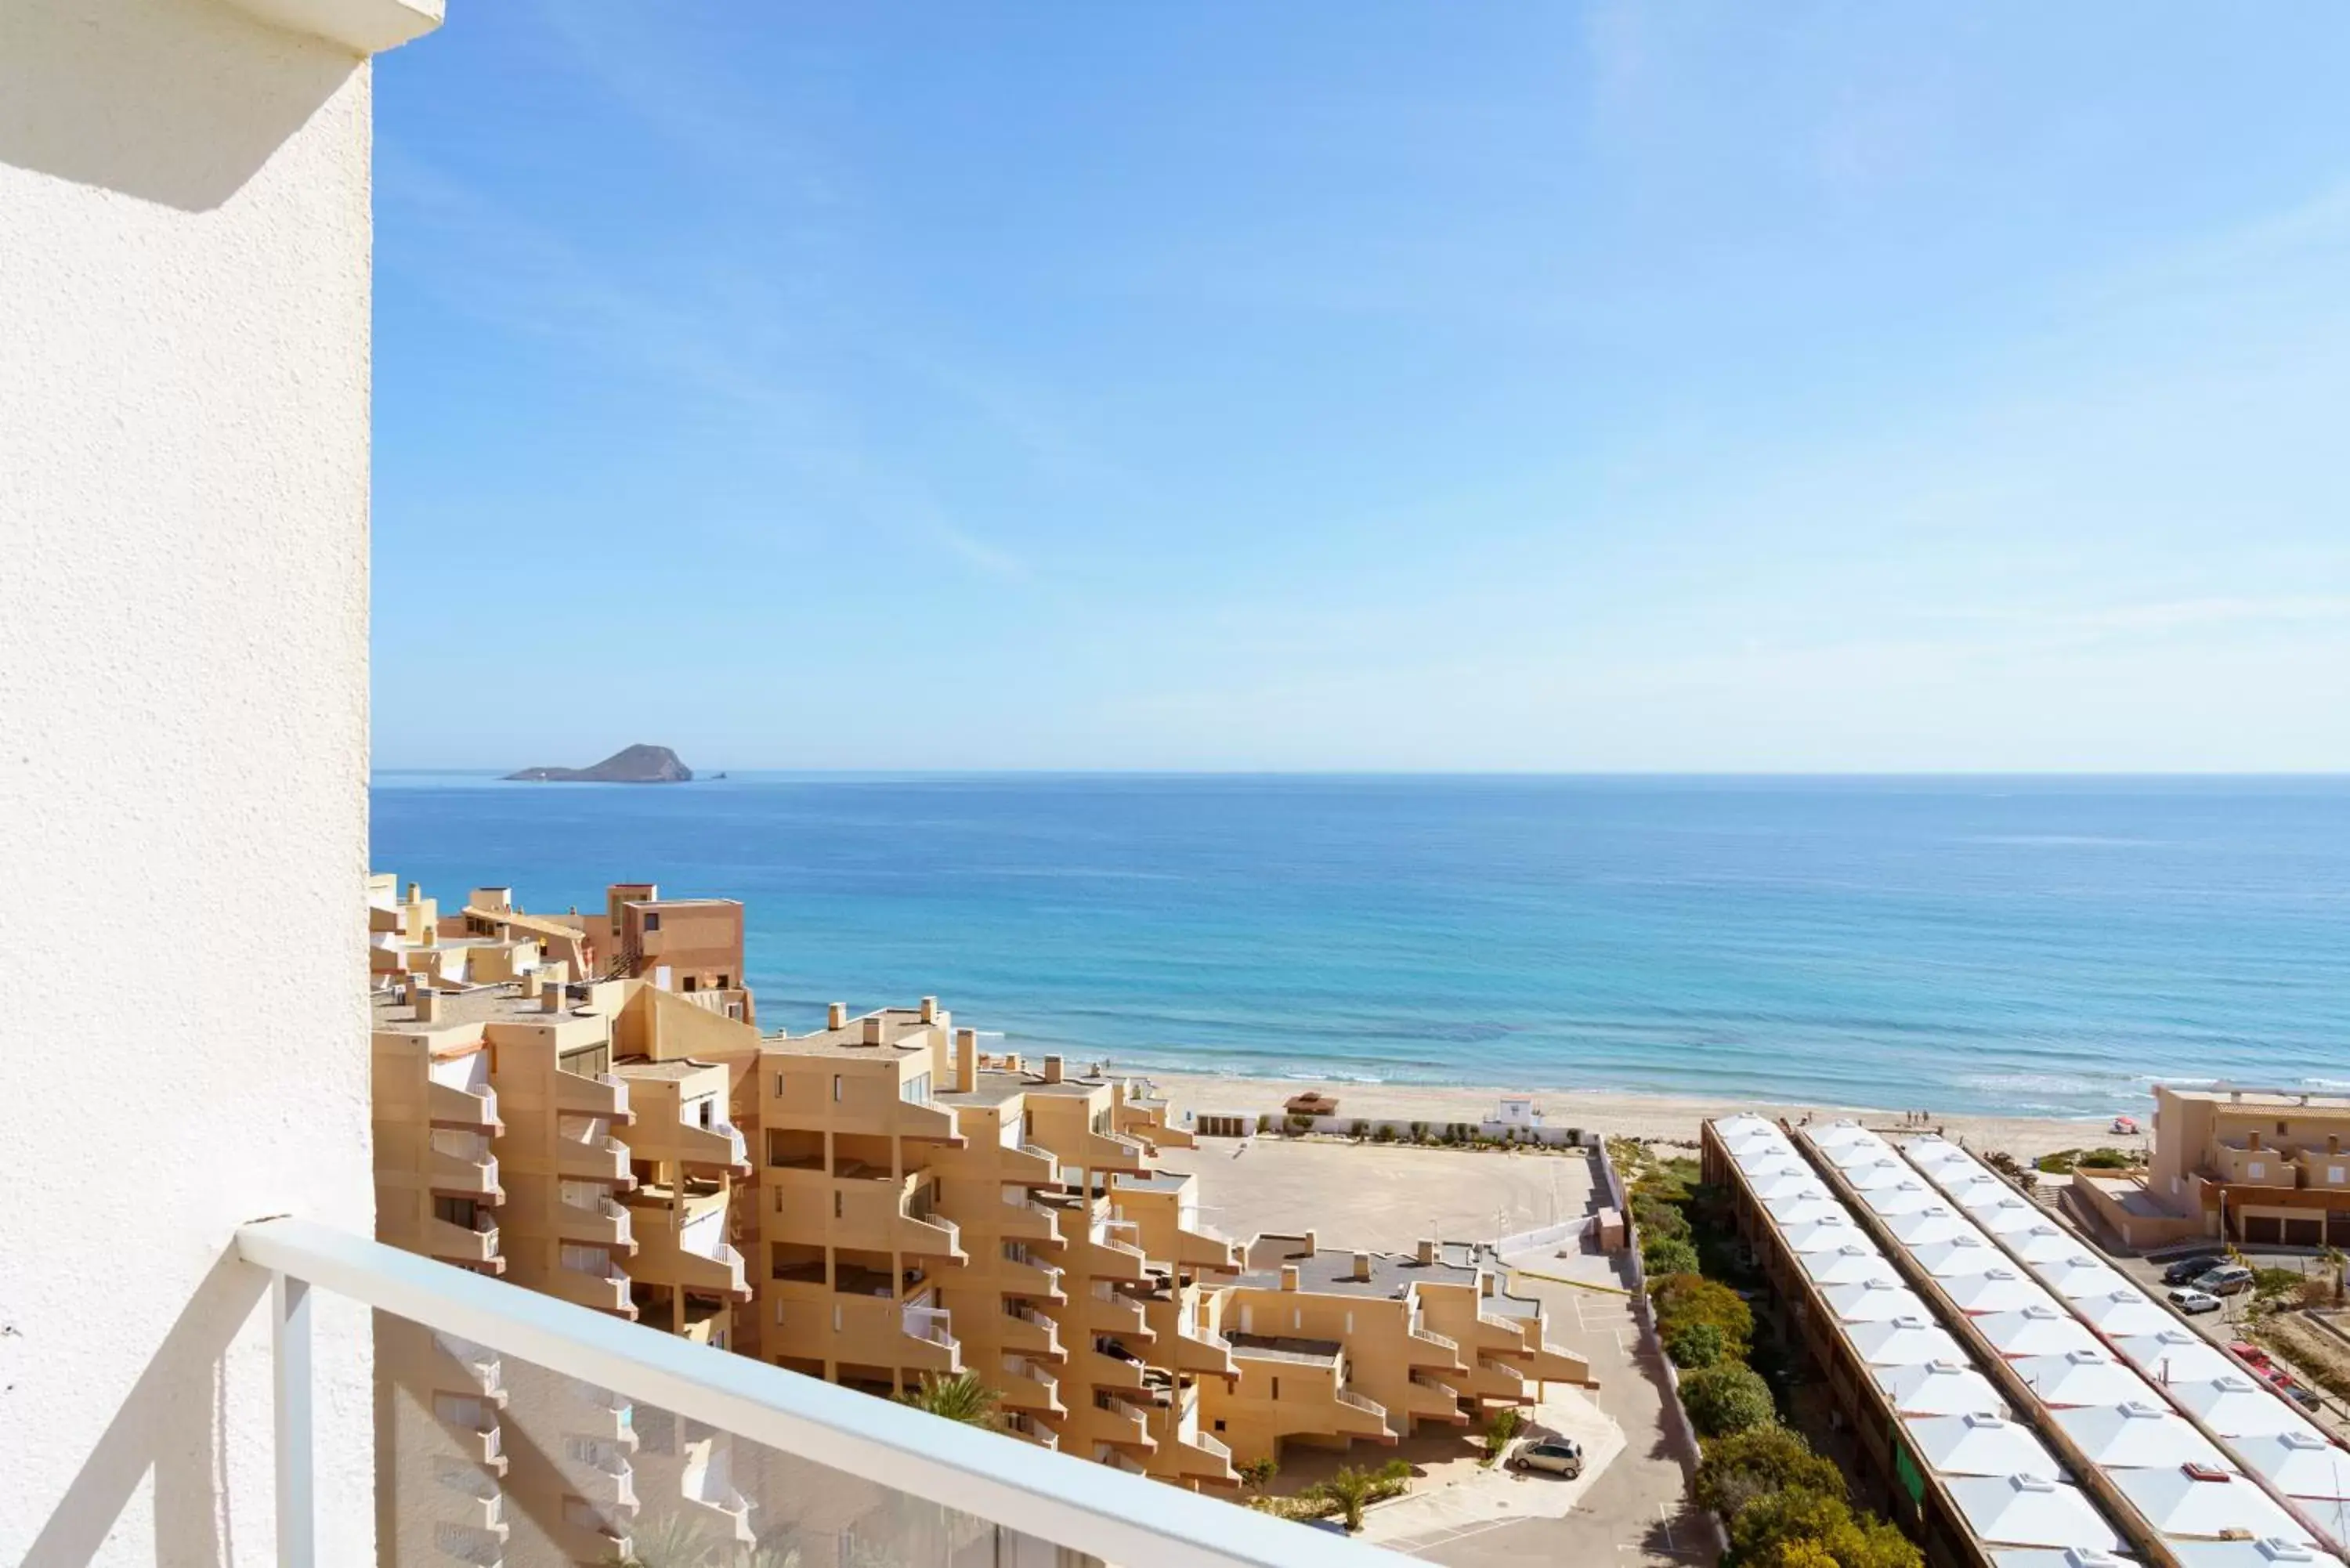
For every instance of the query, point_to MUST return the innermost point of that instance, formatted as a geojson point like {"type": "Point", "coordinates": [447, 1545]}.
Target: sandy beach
{"type": "Point", "coordinates": [1646, 1115]}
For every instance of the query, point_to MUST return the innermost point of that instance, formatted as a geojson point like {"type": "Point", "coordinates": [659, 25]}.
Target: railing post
{"type": "Point", "coordinates": [298, 1518]}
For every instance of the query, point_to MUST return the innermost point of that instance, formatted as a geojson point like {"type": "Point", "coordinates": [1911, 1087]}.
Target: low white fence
{"type": "Point", "coordinates": [1546, 1236]}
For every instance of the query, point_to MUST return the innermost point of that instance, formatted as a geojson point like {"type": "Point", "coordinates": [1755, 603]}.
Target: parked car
{"type": "Point", "coordinates": [2226, 1280]}
{"type": "Point", "coordinates": [2307, 1398]}
{"type": "Point", "coordinates": [2190, 1301]}
{"type": "Point", "coordinates": [2188, 1270]}
{"type": "Point", "coordinates": [1561, 1455]}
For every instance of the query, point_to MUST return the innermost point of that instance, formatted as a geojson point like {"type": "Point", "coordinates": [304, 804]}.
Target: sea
{"type": "Point", "coordinates": [2004, 946]}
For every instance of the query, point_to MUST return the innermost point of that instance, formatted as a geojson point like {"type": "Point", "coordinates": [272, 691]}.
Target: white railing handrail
{"type": "Point", "coordinates": [1348, 1396]}
{"type": "Point", "coordinates": [1055, 1497]}
{"type": "Point", "coordinates": [1443, 1342]}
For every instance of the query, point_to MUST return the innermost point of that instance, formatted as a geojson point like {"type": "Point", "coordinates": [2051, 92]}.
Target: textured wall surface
{"type": "Point", "coordinates": [184, 260]}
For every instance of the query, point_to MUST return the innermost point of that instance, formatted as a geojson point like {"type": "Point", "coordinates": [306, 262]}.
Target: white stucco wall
{"type": "Point", "coordinates": [184, 262]}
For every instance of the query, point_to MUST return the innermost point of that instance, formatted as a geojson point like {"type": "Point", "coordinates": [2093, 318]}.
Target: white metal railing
{"type": "Point", "coordinates": [1209, 1443]}
{"type": "Point", "coordinates": [1053, 1497]}
{"type": "Point", "coordinates": [1348, 1396]}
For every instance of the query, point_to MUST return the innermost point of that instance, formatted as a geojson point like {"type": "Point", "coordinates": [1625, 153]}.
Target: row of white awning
{"type": "Point", "coordinates": [2114, 1367]}
{"type": "Point", "coordinates": [2013, 1493]}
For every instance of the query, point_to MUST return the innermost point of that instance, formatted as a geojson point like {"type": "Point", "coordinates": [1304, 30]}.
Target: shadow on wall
{"type": "Point", "coordinates": [165, 103]}
{"type": "Point", "coordinates": [169, 1424]}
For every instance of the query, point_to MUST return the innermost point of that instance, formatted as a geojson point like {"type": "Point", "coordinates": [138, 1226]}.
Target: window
{"type": "Point", "coordinates": [586, 1260]}
{"type": "Point", "coordinates": [1276, 1387]}
{"type": "Point", "coordinates": [2333, 1173]}
{"type": "Point", "coordinates": [1219, 1424]}
{"type": "Point", "coordinates": [455, 1211]}
{"type": "Point", "coordinates": [690, 985]}
{"type": "Point", "coordinates": [653, 923]}
{"type": "Point", "coordinates": [835, 1204]}
{"type": "Point", "coordinates": [916, 1090]}
{"type": "Point", "coordinates": [2254, 1172]}
{"type": "Point", "coordinates": [836, 1089]}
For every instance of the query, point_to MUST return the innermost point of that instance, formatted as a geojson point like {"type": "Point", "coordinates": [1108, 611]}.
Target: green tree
{"type": "Point", "coordinates": [1791, 1513]}
{"type": "Point", "coordinates": [1726, 1399]}
{"type": "Point", "coordinates": [962, 1398]}
{"type": "Point", "coordinates": [1500, 1428]}
{"type": "Point", "coordinates": [1668, 1255]}
{"type": "Point", "coordinates": [1682, 1298]}
{"type": "Point", "coordinates": [1697, 1345]}
{"type": "Point", "coordinates": [1257, 1474]}
{"type": "Point", "coordinates": [1759, 1462]}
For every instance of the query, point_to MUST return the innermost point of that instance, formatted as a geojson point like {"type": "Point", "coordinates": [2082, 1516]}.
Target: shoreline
{"type": "Point", "coordinates": [1669, 1117]}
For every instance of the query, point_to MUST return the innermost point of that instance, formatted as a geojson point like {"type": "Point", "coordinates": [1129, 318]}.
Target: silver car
{"type": "Point", "coordinates": [1560, 1456]}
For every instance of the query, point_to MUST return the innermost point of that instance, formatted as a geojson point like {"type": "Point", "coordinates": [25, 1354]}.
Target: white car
{"type": "Point", "coordinates": [1561, 1455]}
{"type": "Point", "coordinates": [2190, 1301]}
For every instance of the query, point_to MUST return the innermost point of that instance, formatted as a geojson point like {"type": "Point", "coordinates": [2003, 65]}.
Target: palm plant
{"type": "Point", "coordinates": [962, 1398]}
{"type": "Point", "coordinates": [1350, 1488]}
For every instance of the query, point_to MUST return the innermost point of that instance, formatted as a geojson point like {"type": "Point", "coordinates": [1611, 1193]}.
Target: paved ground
{"type": "Point", "coordinates": [1382, 1197]}
{"type": "Point", "coordinates": [1461, 1499]}
{"type": "Point", "coordinates": [1634, 1513]}
{"type": "Point", "coordinates": [2227, 1324]}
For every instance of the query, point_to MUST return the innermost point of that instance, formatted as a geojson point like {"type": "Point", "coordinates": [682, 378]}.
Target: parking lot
{"type": "Point", "coordinates": [2227, 1325]}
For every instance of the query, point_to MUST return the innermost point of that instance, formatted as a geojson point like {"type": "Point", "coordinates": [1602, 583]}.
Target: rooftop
{"type": "Point", "coordinates": [1331, 1272]}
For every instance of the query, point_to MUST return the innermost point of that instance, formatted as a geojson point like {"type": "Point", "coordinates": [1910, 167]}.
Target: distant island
{"type": "Point", "coordinates": [637, 764]}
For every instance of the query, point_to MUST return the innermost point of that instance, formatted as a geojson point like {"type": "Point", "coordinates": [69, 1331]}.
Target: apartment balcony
{"type": "Point", "coordinates": [461, 1166]}
{"type": "Point", "coordinates": [1548, 1363]}
{"type": "Point", "coordinates": [606, 1480]}
{"type": "Point", "coordinates": [720, 1145]}
{"type": "Point", "coordinates": [449, 1106]}
{"type": "Point", "coordinates": [930, 1124]}
{"type": "Point", "coordinates": [1109, 1369]}
{"type": "Point", "coordinates": [718, 1273]}
{"type": "Point", "coordinates": [1028, 1429]}
{"type": "Point", "coordinates": [1031, 1280]}
{"type": "Point", "coordinates": [1426, 1347]}
{"type": "Point", "coordinates": [1359, 1416]}
{"type": "Point", "coordinates": [1104, 1256]}
{"type": "Point", "coordinates": [1031, 1333]}
{"type": "Point", "coordinates": [1025, 1220]}
{"type": "Point", "coordinates": [1200, 1456]}
{"type": "Point", "coordinates": [727, 1512]}
{"type": "Point", "coordinates": [576, 1094]}
{"type": "Point", "coordinates": [605, 1223]}
{"type": "Point", "coordinates": [479, 1511]}
{"type": "Point", "coordinates": [461, 1363]}
{"type": "Point", "coordinates": [1035, 1499]}
{"type": "Point", "coordinates": [1205, 1352]}
{"type": "Point", "coordinates": [931, 1346]}
{"type": "Point", "coordinates": [1026, 1387]}
{"type": "Point", "coordinates": [1122, 1422]}
{"type": "Point", "coordinates": [1112, 1152]}
{"type": "Point", "coordinates": [1104, 1309]}
{"type": "Point", "coordinates": [474, 1246]}
{"type": "Point", "coordinates": [1431, 1400]}
{"type": "Point", "coordinates": [1497, 1380]}
{"type": "Point", "coordinates": [1030, 1165]}
{"type": "Point", "coordinates": [606, 1290]}
{"type": "Point", "coordinates": [604, 1158]}
{"type": "Point", "coordinates": [1201, 1248]}
{"type": "Point", "coordinates": [929, 1236]}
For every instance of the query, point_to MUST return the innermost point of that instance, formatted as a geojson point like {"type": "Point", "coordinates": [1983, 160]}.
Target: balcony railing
{"type": "Point", "coordinates": [1051, 1497]}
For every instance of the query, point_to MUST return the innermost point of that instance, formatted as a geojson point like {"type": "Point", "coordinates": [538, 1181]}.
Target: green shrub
{"type": "Point", "coordinates": [2057, 1164]}
{"type": "Point", "coordinates": [2268, 1284]}
{"type": "Point", "coordinates": [1668, 1255]}
{"type": "Point", "coordinates": [1745, 1467]}
{"type": "Point", "coordinates": [1696, 1345]}
{"type": "Point", "coordinates": [1362, 1129]}
{"type": "Point", "coordinates": [1383, 1134]}
{"type": "Point", "coordinates": [1726, 1399]}
{"type": "Point", "coordinates": [1680, 1300]}
{"type": "Point", "coordinates": [2106, 1160]}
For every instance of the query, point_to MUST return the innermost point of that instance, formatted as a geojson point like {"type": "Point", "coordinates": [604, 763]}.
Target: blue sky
{"type": "Point", "coordinates": [1364, 385]}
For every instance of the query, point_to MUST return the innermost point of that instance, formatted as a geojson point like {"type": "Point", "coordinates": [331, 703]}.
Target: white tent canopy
{"type": "Point", "coordinates": [2301, 1464]}
{"type": "Point", "coordinates": [2124, 1313]}
{"type": "Point", "coordinates": [1996, 1289]}
{"type": "Point", "coordinates": [2175, 1355]}
{"type": "Point", "coordinates": [1979, 1445]}
{"type": "Point", "coordinates": [2208, 1502]}
{"type": "Point", "coordinates": [2031, 1510]}
{"type": "Point", "coordinates": [2236, 1407]}
{"type": "Point", "coordinates": [2135, 1435]}
{"type": "Point", "coordinates": [2084, 1378]}
{"type": "Point", "coordinates": [1959, 1256]}
{"type": "Point", "coordinates": [1903, 1342]}
{"type": "Point", "coordinates": [1939, 1388]}
{"type": "Point", "coordinates": [2047, 1330]}
{"type": "Point", "coordinates": [1874, 1301]}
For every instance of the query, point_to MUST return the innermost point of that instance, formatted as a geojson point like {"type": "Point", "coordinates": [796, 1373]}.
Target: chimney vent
{"type": "Point", "coordinates": [836, 1016]}
{"type": "Point", "coordinates": [930, 1009]}
{"type": "Point", "coordinates": [1362, 1265]}
{"type": "Point", "coordinates": [551, 998]}
{"type": "Point", "coordinates": [2334, 1143]}
{"type": "Point", "coordinates": [428, 1005]}
{"type": "Point", "coordinates": [1288, 1276]}
{"type": "Point", "coordinates": [1052, 1069]}
{"type": "Point", "coordinates": [873, 1029]}
{"type": "Point", "coordinates": [1425, 1253]}
{"type": "Point", "coordinates": [966, 1060]}
{"type": "Point", "coordinates": [2252, 1140]}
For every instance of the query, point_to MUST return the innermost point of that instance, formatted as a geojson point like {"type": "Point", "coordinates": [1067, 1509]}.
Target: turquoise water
{"type": "Point", "coordinates": [1993, 945]}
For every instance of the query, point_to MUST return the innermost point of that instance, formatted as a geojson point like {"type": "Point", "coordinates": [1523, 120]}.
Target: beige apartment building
{"type": "Point", "coordinates": [2247, 1165]}
{"type": "Point", "coordinates": [872, 1202]}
